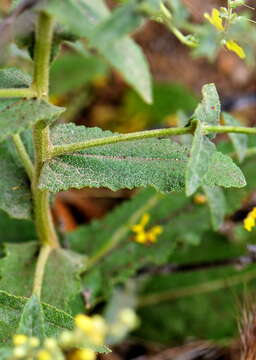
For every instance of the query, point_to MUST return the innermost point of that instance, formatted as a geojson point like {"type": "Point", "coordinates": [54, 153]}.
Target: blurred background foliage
{"type": "Point", "coordinates": [199, 296]}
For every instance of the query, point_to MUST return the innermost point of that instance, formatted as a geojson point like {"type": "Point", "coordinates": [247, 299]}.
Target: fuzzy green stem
{"type": "Point", "coordinates": [27, 163]}
{"type": "Point", "coordinates": [40, 269]}
{"type": "Point", "coordinates": [68, 148]}
{"type": "Point", "coordinates": [64, 149]}
{"type": "Point", "coordinates": [42, 212]}
{"type": "Point", "coordinates": [17, 93]}
{"type": "Point", "coordinates": [44, 35]}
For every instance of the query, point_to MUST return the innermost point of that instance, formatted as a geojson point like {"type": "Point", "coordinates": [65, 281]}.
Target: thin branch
{"type": "Point", "coordinates": [17, 93]}
{"type": "Point", "coordinates": [27, 163]}
{"type": "Point", "coordinates": [40, 269]}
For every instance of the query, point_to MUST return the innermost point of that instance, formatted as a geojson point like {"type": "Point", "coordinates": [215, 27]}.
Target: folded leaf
{"type": "Point", "coordinates": [201, 152]}
{"type": "Point", "coordinates": [11, 308]}
{"type": "Point", "coordinates": [32, 319]}
{"type": "Point", "coordinates": [239, 141]}
{"type": "Point", "coordinates": [217, 205]}
{"type": "Point", "coordinates": [15, 195]}
{"type": "Point", "coordinates": [208, 111]}
{"type": "Point", "coordinates": [123, 53]}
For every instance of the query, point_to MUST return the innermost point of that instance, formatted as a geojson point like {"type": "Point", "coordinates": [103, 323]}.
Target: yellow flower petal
{"type": "Point", "coordinates": [215, 19]}
{"type": "Point", "coordinates": [237, 49]}
{"type": "Point", "coordinates": [19, 339]}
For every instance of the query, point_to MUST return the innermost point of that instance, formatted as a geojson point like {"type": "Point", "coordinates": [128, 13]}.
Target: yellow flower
{"type": "Point", "coordinates": [44, 355]}
{"type": "Point", "coordinates": [140, 227]}
{"type": "Point", "coordinates": [215, 19]}
{"type": "Point", "coordinates": [233, 46]}
{"type": "Point", "coordinates": [249, 221]}
{"type": "Point", "coordinates": [200, 199]}
{"type": "Point", "coordinates": [19, 339]}
{"type": "Point", "coordinates": [153, 233]}
{"type": "Point", "coordinates": [94, 327]}
{"type": "Point", "coordinates": [84, 354]}
{"type": "Point", "coordinates": [84, 323]}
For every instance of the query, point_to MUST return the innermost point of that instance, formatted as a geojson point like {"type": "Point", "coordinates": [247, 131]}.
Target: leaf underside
{"type": "Point", "coordinates": [159, 163]}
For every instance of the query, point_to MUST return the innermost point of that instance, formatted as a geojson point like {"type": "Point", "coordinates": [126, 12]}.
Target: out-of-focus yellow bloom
{"type": "Point", "coordinates": [200, 199]}
{"type": "Point", "coordinates": [44, 355]}
{"type": "Point", "coordinates": [237, 49]}
{"type": "Point", "coordinates": [94, 327]}
{"type": "Point", "coordinates": [146, 237]}
{"type": "Point", "coordinates": [19, 339]}
{"type": "Point", "coordinates": [84, 354]}
{"type": "Point", "coordinates": [215, 19]}
{"type": "Point", "coordinates": [249, 221]}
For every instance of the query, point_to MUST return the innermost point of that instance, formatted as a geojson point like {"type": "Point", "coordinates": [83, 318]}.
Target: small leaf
{"type": "Point", "coordinates": [15, 195]}
{"type": "Point", "coordinates": [201, 152]}
{"type": "Point", "coordinates": [19, 114]}
{"type": "Point", "coordinates": [149, 162]}
{"type": "Point", "coordinates": [11, 308]}
{"type": "Point", "coordinates": [32, 319]}
{"type": "Point", "coordinates": [208, 111]}
{"type": "Point", "coordinates": [239, 141]}
{"type": "Point", "coordinates": [123, 53]}
{"type": "Point", "coordinates": [11, 227]}
{"type": "Point", "coordinates": [217, 205]}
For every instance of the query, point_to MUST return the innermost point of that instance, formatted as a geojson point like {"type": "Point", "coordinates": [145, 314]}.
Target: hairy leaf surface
{"type": "Point", "coordinates": [82, 17]}
{"type": "Point", "coordinates": [20, 259]}
{"type": "Point", "coordinates": [32, 319]}
{"type": "Point", "coordinates": [15, 195]}
{"type": "Point", "coordinates": [201, 152]}
{"type": "Point", "coordinates": [159, 163]}
{"type": "Point", "coordinates": [11, 308]}
{"type": "Point", "coordinates": [208, 111]}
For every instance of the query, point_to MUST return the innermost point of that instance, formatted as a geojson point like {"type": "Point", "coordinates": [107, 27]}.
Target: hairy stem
{"type": "Point", "coordinates": [27, 163]}
{"type": "Point", "coordinates": [42, 212]}
{"type": "Point", "coordinates": [17, 93]}
{"type": "Point", "coordinates": [40, 269]}
{"type": "Point", "coordinates": [68, 148]}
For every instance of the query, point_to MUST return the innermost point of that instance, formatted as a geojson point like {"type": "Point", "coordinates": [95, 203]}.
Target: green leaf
{"type": "Point", "coordinates": [201, 152]}
{"type": "Point", "coordinates": [19, 114]}
{"type": "Point", "coordinates": [32, 319]}
{"type": "Point", "coordinates": [20, 259]}
{"type": "Point", "coordinates": [123, 20]}
{"type": "Point", "coordinates": [15, 196]}
{"type": "Point", "coordinates": [217, 205]}
{"type": "Point", "coordinates": [123, 53]}
{"type": "Point", "coordinates": [223, 172]}
{"type": "Point", "coordinates": [11, 308]}
{"type": "Point", "coordinates": [148, 162]}
{"type": "Point", "coordinates": [13, 230]}
{"type": "Point", "coordinates": [83, 69]}
{"type": "Point", "coordinates": [239, 141]}
{"type": "Point", "coordinates": [208, 111]}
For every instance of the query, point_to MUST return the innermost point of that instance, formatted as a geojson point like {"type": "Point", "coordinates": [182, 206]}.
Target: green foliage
{"type": "Point", "coordinates": [11, 310]}
{"type": "Point", "coordinates": [217, 204]}
{"type": "Point", "coordinates": [123, 53]}
{"type": "Point", "coordinates": [21, 260]}
{"type": "Point", "coordinates": [11, 227]}
{"type": "Point", "coordinates": [32, 319]}
{"type": "Point", "coordinates": [15, 196]}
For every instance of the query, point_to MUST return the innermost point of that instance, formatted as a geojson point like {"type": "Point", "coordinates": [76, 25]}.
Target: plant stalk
{"type": "Point", "coordinates": [40, 269]}
{"type": "Point", "coordinates": [42, 212]}
{"type": "Point", "coordinates": [17, 93]}
{"type": "Point", "coordinates": [27, 163]}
